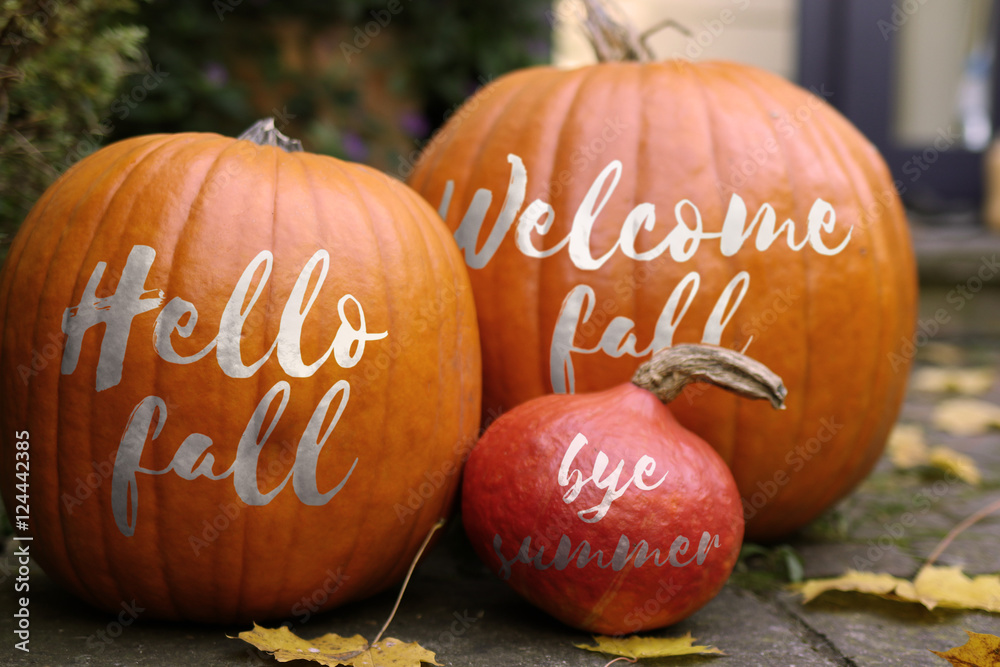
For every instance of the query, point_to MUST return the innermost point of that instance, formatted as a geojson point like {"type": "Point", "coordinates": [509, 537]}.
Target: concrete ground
{"type": "Point", "coordinates": [458, 609]}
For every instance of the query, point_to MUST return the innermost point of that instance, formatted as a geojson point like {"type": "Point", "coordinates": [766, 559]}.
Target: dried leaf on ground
{"type": "Point", "coordinates": [907, 447]}
{"type": "Point", "coordinates": [966, 416]}
{"type": "Point", "coordinates": [960, 465]}
{"type": "Point", "coordinates": [648, 647]}
{"type": "Point", "coordinates": [332, 650]}
{"type": "Point", "coordinates": [981, 650]}
{"type": "Point", "coordinates": [933, 587]}
{"type": "Point", "coordinates": [970, 381]}
{"type": "Point", "coordinates": [942, 354]}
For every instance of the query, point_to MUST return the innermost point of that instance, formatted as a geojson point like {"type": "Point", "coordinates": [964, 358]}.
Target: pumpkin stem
{"type": "Point", "coordinates": [614, 38]}
{"type": "Point", "coordinates": [673, 368]}
{"type": "Point", "coordinates": [264, 133]}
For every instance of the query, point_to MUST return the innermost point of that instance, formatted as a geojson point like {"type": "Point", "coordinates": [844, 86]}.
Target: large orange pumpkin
{"type": "Point", "coordinates": [288, 341]}
{"type": "Point", "coordinates": [614, 209]}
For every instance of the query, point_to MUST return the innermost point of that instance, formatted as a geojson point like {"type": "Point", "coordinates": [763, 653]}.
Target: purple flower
{"type": "Point", "coordinates": [414, 123]}
{"type": "Point", "coordinates": [215, 73]}
{"type": "Point", "coordinates": [354, 146]}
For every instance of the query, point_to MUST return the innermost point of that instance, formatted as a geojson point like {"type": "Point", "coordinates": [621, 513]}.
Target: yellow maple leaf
{"type": "Point", "coordinates": [851, 581]}
{"type": "Point", "coordinates": [907, 447]}
{"type": "Point", "coordinates": [952, 588]}
{"type": "Point", "coordinates": [960, 465]}
{"type": "Point", "coordinates": [933, 587]}
{"type": "Point", "coordinates": [332, 650]}
{"type": "Point", "coordinates": [981, 650]}
{"type": "Point", "coordinates": [966, 416]}
{"type": "Point", "coordinates": [648, 647]}
{"type": "Point", "coordinates": [968, 381]}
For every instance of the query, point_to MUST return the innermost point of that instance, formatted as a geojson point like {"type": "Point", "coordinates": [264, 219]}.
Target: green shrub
{"type": "Point", "coordinates": [61, 64]}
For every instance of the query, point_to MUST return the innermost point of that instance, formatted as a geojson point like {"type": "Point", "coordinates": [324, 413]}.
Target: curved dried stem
{"type": "Point", "coordinates": [673, 368]}
{"type": "Point", "coordinates": [626, 659]}
{"type": "Point", "coordinates": [957, 530]}
{"type": "Point", "coordinates": [406, 580]}
{"type": "Point", "coordinates": [613, 36]}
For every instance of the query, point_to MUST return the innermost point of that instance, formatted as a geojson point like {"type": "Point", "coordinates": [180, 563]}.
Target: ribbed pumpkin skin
{"type": "Point", "coordinates": [208, 205]}
{"type": "Point", "coordinates": [510, 491]}
{"type": "Point", "coordinates": [826, 324]}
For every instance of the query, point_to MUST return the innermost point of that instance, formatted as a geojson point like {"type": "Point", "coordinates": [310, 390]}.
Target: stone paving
{"type": "Point", "coordinates": [461, 611]}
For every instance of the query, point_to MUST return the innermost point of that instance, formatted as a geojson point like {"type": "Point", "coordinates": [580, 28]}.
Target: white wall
{"type": "Point", "coordinates": [932, 46]}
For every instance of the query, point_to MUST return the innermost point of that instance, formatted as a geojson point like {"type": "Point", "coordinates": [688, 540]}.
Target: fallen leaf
{"type": "Point", "coordinates": [851, 581]}
{"type": "Point", "coordinates": [907, 448]}
{"type": "Point", "coordinates": [966, 416]}
{"type": "Point", "coordinates": [942, 354]}
{"type": "Point", "coordinates": [332, 650]}
{"type": "Point", "coordinates": [970, 381]}
{"type": "Point", "coordinates": [981, 650]}
{"type": "Point", "coordinates": [648, 647]}
{"type": "Point", "coordinates": [933, 587]}
{"type": "Point", "coordinates": [960, 465]}
{"type": "Point", "coordinates": [952, 588]}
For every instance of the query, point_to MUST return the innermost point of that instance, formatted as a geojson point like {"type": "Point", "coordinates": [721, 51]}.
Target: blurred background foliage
{"type": "Point", "coordinates": [364, 80]}
{"type": "Point", "coordinates": [61, 65]}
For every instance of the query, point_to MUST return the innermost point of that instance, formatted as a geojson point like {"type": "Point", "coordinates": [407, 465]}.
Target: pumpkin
{"type": "Point", "coordinates": [247, 375]}
{"type": "Point", "coordinates": [614, 209]}
{"type": "Point", "coordinates": [601, 509]}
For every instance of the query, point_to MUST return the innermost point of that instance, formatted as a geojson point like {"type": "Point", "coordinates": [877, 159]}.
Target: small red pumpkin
{"type": "Point", "coordinates": [614, 209]}
{"type": "Point", "coordinates": [286, 340]}
{"type": "Point", "coordinates": [601, 509]}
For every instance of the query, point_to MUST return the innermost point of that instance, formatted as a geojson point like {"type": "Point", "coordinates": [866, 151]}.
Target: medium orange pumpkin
{"type": "Point", "coordinates": [614, 209]}
{"type": "Point", "coordinates": [289, 341]}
